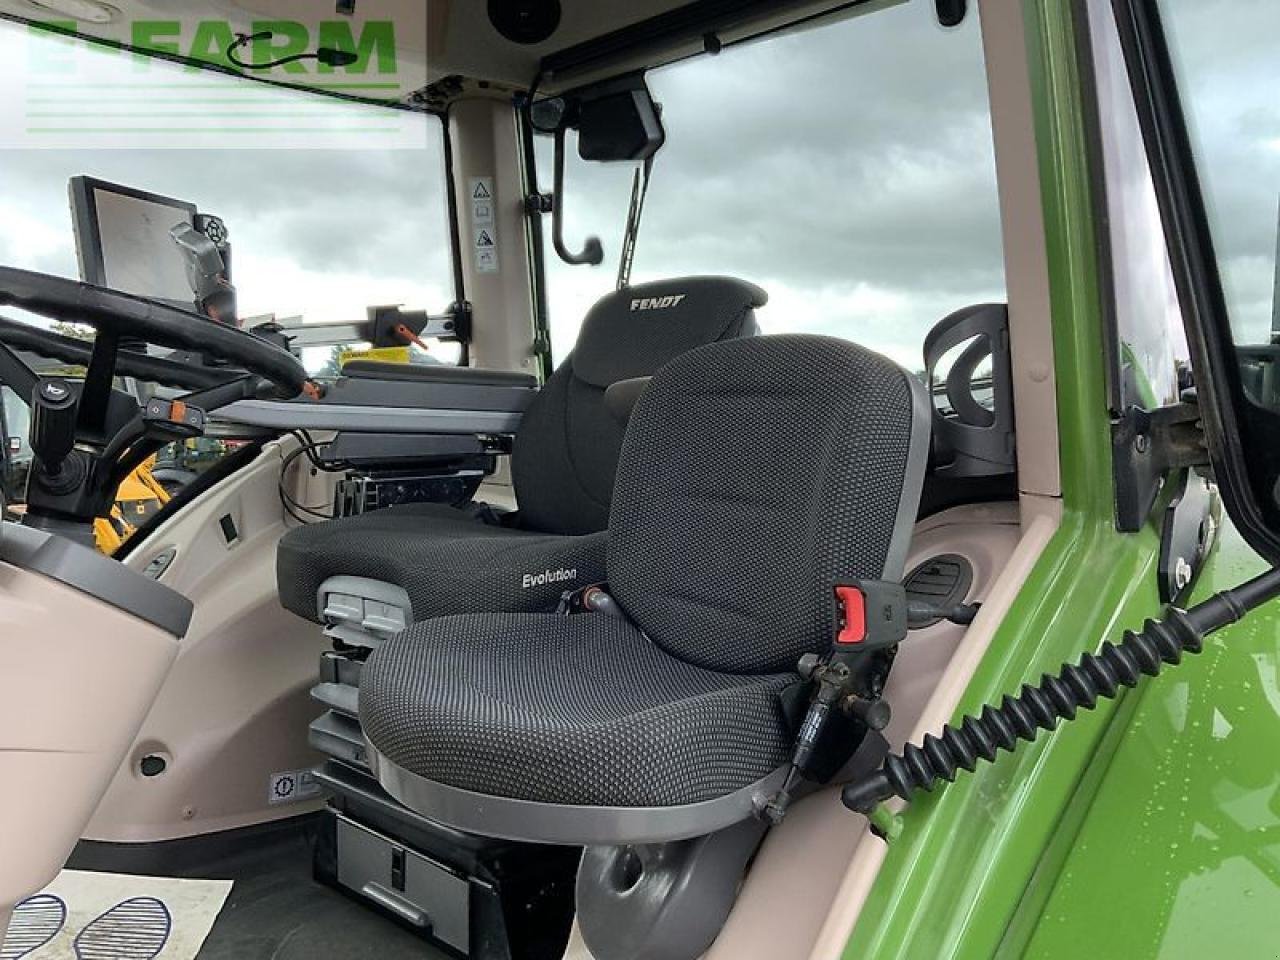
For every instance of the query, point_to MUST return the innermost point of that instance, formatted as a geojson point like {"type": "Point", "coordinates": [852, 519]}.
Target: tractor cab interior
{"type": "Point", "coordinates": [564, 649]}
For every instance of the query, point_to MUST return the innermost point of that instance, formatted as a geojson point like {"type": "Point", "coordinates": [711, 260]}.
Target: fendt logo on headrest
{"type": "Point", "coordinates": [657, 303]}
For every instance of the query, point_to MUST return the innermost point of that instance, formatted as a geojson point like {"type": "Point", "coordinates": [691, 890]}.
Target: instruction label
{"type": "Point", "coordinates": [385, 354]}
{"type": "Point", "coordinates": [292, 786]}
{"type": "Point", "coordinates": [484, 236]}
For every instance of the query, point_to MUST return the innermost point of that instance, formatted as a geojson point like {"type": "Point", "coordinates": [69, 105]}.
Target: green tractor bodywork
{"type": "Point", "coordinates": [1150, 825]}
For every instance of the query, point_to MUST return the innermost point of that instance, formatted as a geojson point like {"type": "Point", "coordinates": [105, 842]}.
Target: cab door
{"type": "Point", "coordinates": [1178, 856]}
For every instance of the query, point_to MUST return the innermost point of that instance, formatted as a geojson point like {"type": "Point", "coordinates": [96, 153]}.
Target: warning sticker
{"type": "Point", "coordinates": [292, 786]}
{"type": "Point", "coordinates": [484, 236]}
{"type": "Point", "coordinates": [485, 249]}
{"type": "Point", "coordinates": [481, 194]}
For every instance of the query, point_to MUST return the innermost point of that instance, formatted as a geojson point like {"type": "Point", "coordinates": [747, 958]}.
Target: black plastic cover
{"type": "Point", "coordinates": [620, 127]}
{"type": "Point", "coordinates": [88, 571]}
{"type": "Point", "coordinates": [436, 373]}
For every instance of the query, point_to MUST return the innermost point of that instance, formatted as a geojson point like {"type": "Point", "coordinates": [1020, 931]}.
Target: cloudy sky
{"type": "Point", "coordinates": [1229, 65]}
{"type": "Point", "coordinates": [848, 170]}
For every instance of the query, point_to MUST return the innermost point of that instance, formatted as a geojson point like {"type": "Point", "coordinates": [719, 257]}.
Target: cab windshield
{"type": "Point", "coordinates": [332, 206]}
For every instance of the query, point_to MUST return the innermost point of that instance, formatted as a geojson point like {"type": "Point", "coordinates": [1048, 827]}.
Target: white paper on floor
{"type": "Point", "coordinates": [111, 915]}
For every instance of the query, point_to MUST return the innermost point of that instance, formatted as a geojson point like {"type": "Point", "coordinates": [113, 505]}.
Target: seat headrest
{"type": "Point", "coordinates": [636, 330]}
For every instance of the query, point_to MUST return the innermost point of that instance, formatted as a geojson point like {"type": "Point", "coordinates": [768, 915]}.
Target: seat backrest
{"type": "Point", "coordinates": [755, 476]}
{"type": "Point", "coordinates": [566, 451]}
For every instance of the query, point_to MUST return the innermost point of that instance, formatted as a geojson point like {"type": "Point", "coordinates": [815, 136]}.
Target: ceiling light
{"type": "Point", "coordinates": [86, 11]}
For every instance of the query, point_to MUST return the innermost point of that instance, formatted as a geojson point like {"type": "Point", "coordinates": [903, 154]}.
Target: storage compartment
{"type": "Point", "coordinates": [414, 888]}
{"type": "Point", "coordinates": [488, 899]}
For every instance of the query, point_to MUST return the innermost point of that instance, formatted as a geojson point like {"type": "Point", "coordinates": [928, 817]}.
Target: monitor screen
{"type": "Point", "coordinates": [123, 241]}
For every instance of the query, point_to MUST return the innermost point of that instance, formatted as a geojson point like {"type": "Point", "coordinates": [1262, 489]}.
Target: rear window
{"type": "Point", "coordinates": [846, 168]}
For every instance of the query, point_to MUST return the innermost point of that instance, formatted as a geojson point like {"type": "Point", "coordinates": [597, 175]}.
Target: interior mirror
{"type": "Point", "coordinates": [548, 116]}
{"type": "Point", "coordinates": [951, 12]}
{"type": "Point", "coordinates": [616, 122]}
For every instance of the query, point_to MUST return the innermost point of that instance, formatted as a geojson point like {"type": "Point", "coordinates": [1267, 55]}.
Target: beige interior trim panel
{"type": "Point", "coordinates": [233, 715]}
{"type": "Point", "coordinates": [81, 675]}
{"type": "Point", "coordinates": [1026, 261]}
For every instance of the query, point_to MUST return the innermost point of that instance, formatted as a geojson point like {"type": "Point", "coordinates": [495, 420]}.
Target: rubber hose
{"type": "Point", "coordinates": [1097, 676]}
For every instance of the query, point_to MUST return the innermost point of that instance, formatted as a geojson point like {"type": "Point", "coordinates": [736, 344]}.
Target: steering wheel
{"type": "Point", "coordinates": [88, 437]}
{"type": "Point", "coordinates": [77, 353]}
{"type": "Point", "coordinates": [118, 315]}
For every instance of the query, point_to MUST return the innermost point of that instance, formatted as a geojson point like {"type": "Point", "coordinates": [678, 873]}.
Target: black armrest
{"type": "Point", "coordinates": [435, 373]}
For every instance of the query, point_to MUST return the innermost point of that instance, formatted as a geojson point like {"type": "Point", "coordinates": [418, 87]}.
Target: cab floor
{"type": "Point", "coordinates": [275, 910]}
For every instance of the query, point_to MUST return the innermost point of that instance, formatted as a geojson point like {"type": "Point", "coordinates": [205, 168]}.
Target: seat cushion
{"type": "Point", "coordinates": [579, 710]}
{"type": "Point", "coordinates": [447, 561]}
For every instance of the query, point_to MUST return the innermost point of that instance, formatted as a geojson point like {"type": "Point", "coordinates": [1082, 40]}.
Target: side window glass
{"type": "Point", "coordinates": [15, 457]}
{"type": "Point", "coordinates": [597, 196]}
{"type": "Point", "coordinates": [1151, 346]}
{"type": "Point", "coordinates": [1228, 78]}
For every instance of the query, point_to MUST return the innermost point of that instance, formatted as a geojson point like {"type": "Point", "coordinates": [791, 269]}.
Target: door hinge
{"type": "Point", "coordinates": [1146, 446]}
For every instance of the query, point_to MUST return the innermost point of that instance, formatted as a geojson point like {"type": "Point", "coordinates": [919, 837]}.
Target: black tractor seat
{"type": "Point", "coordinates": [756, 477]}
{"type": "Point", "coordinates": [442, 560]}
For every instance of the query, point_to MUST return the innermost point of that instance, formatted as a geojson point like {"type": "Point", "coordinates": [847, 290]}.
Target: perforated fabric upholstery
{"type": "Point", "coordinates": [755, 476]}
{"type": "Point", "coordinates": [634, 331]}
{"type": "Point", "coordinates": [566, 450]}
{"type": "Point", "coordinates": [572, 710]}
{"type": "Point", "coordinates": [563, 466]}
{"type": "Point", "coordinates": [446, 561]}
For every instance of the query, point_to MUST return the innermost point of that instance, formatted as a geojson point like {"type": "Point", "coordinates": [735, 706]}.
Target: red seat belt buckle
{"type": "Point", "coordinates": [851, 609]}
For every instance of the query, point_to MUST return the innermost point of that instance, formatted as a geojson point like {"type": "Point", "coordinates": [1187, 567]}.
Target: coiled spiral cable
{"type": "Point", "coordinates": [1115, 667]}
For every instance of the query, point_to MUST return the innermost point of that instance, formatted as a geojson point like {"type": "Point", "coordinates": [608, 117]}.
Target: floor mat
{"type": "Point", "coordinates": [275, 911]}
{"type": "Point", "coordinates": [105, 916]}
{"type": "Point", "coordinates": [35, 921]}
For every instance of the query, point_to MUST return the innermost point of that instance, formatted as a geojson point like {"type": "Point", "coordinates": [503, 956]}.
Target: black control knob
{"type": "Point", "coordinates": [874, 713]}
{"type": "Point", "coordinates": [53, 422]}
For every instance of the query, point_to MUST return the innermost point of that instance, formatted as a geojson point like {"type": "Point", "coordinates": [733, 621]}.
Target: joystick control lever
{"type": "Point", "coordinates": [54, 408]}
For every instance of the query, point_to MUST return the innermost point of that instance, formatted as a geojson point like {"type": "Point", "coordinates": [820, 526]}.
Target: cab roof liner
{"type": "Point", "coordinates": [424, 55]}
{"type": "Point", "coordinates": [702, 25]}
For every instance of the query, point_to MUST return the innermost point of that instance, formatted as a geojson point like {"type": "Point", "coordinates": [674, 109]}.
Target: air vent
{"type": "Point", "coordinates": [942, 581]}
